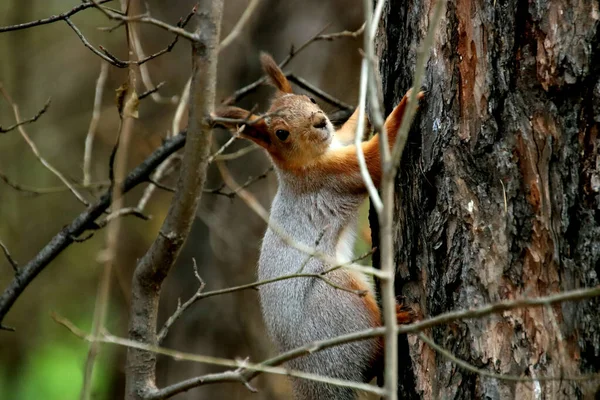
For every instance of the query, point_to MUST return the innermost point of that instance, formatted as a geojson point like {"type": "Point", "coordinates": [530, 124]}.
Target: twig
{"type": "Point", "coordinates": [244, 368]}
{"type": "Point", "coordinates": [502, 377]}
{"type": "Point", "coordinates": [251, 201]}
{"type": "Point", "coordinates": [253, 370]}
{"type": "Point", "coordinates": [181, 307]}
{"type": "Point", "coordinates": [11, 260]}
{"type": "Point", "coordinates": [255, 285]}
{"type": "Point", "coordinates": [144, 73]}
{"type": "Point", "coordinates": [237, 154]}
{"type": "Point", "coordinates": [237, 29]}
{"type": "Point", "coordinates": [102, 53]}
{"type": "Point", "coordinates": [27, 121]}
{"type": "Point", "coordinates": [49, 190]}
{"type": "Point", "coordinates": [54, 18]}
{"type": "Point", "coordinates": [248, 182]}
{"type": "Point", "coordinates": [151, 91]}
{"type": "Point", "coordinates": [222, 148]}
{"type": "Point", "coordinates": [358, 137]}
{"type": "Point", "coordinates": [155, 265]}
{"type": "Point", "coordinates": [318, 92]}
{"type": "Point", "coordinates": [81, 223]}
{"type": "Point", "coordinates": [128, 114]}
{"type": "Point", "coordinates": [89, 139]}
{"type": "Point", "coordinates": [35, 150]}
{"type": "Point", "coordinates": [242, 92]}
{"type": "Point", "coordinates": [121, 212]}
{"type": "Point", "coordinates": [148, 19]}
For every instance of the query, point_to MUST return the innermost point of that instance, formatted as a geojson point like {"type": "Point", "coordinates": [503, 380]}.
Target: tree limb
{"type": "Point", "coordinates": [158, 260]}
{"type": "Point", "coordinates": [84, 221]}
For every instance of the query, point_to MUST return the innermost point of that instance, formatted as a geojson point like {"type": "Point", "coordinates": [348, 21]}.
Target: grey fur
{"type": "Point", "coordinates": [300, 311]}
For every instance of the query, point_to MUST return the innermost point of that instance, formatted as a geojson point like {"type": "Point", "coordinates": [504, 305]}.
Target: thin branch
{"type": "Point", "coordinates": [113, 232]}
{"type": "Point", "coordinates": [244, 367]}
{"type": "Point", "coordinates": [318, 92]}
{"type": "Point", "coordinates": [122, 212]}
{"type": "Point", "coordinates": [250, 371]}
{"type": "Point", "coordinates": [146, 18]}
{"type": "Point", "coordinates": [49, 190]}
{"type": "Point", "coordinates": [151, 91]}
{"type": "Point", "coordinates": [181, 308]}
{"type": "Point", "coordinates": [54, 18]}
{"type": "Point", "coordinates": [10, 259]}
{"type": "Point", "coordinates": [237, 29]}
{"type": "Point", "coordinates": [222, 148]}
{"type": "Point", "coordinates": [89, 138]}
{"type": "Point", "coordinates": [255, 206]}
{"type": "Point", "coordinates": [144, 73]}
{"type": "Point", "coordinates": [27, 121]}
{"type": "Point", "coordinates": [35, 150]}
{"type": "Point", "coordinates": [199, 295]}
{"type": "Point", "coordinates": [237, 154]}
{"type": "Point", "coordinates": [81, 223]}
{"type": "Point", "coordinates": [102, 53]}
{"type": "Point", "coordinates": [358, 137]}
{"type": "Point", "coordinates": [242, 92]}
{"type": "Point", "coordinates": [502, 377]}
{"type": "Point", "coordinates": [155, 265]}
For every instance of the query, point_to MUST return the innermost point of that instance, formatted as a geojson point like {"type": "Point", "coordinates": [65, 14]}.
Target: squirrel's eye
{"type": "Point", "coordinates": [313, 100]}
{"type": "Point", "coordinates": [282, 134]}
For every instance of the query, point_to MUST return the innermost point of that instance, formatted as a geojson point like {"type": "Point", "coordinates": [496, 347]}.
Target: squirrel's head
{"type": "Point", "coordinates": [294, 130]}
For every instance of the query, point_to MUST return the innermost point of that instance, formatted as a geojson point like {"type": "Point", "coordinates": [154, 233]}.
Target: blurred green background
{"type": "Point", "coordinates": [42, 359]}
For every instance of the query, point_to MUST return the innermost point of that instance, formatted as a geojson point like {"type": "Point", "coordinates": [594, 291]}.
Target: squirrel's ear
{"type": "Point", "coordinates": [255, 129]}
{"type": "Point", "coordinates": [276, 76]}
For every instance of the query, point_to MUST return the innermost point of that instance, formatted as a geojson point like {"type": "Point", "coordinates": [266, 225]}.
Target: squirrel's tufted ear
{"type": "Point", "coordinates": [255, 128]}
{"type": "Point", "coordinates": [275, 74]}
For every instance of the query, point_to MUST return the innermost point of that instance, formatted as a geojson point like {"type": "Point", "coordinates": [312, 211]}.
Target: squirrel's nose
{"type": "Point", "coordinates": [320, 122]}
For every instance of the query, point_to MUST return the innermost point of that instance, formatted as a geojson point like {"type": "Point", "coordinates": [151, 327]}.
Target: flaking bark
{"type": "Point", "coordinates": [498, 191]}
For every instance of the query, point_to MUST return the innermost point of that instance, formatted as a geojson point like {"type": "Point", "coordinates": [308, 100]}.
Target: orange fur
{"type": "Point", "coordinates": [347, 132]}
{"type": "Point", "coordinates": [343, 162]}
{"type": "Point", "coordinates": [276, 76]}
{"type": "Point", "coordinates": [357, 283]}
{"type": "Point", "coordinates": [404, 315]}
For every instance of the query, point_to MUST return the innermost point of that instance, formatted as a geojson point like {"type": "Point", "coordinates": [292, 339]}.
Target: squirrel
{"type": "Point", "coordinates": [320, 191]}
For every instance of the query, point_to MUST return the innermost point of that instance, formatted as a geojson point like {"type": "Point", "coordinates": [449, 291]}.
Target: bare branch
{"type": "Point", "coordinates": [151, 91]}
{"type": "Point", "coordinates": [146, 18]}
{"type": "Point", "coordinates": [54, 18]}
{"type": "Point", "coordinates": [502, 377]}
{"type": "Point", "coordinates": [242, 92]}
{"type": "Point", "coordinates": [235, 192]}
{"type": "Point", "coordinates": [181, 308]}
{"type": "Point", "coordinates": [11, 260]}
{"type": "Point", "coordinates": [237, 29]}
{"type": "Point", "coordinates": [89, 138]}
{"type": "Point", "coordinates": [79, 225]}
{"type": "Point", "coordinates": [120, 156]}
{"type": "Point", "coordinates": [35, 150]}
{"type": "Point", "coordinates": [155, 265]}
{"type": "Point", "coordinates": [318, 92]}
{"type": "Point", "coordinates": [244, 368]}
{"type": "Point", "coordinates": [49, 190]}
{"type": "Point", "coordinates": [102, 53]}
{"type": "Point", "coordinates": [27, 121]}
{"type": "Point", "coordinates": [255, 285]}
{"type": "Point", "coordinates": [252, 370]}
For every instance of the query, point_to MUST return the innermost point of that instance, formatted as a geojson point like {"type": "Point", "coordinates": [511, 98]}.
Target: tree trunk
{"type": "Point", "coordinates": [498, 196]}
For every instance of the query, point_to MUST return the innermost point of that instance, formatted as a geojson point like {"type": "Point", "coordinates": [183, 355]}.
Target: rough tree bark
{"type": "Point", "coordinates": [498, 196]}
